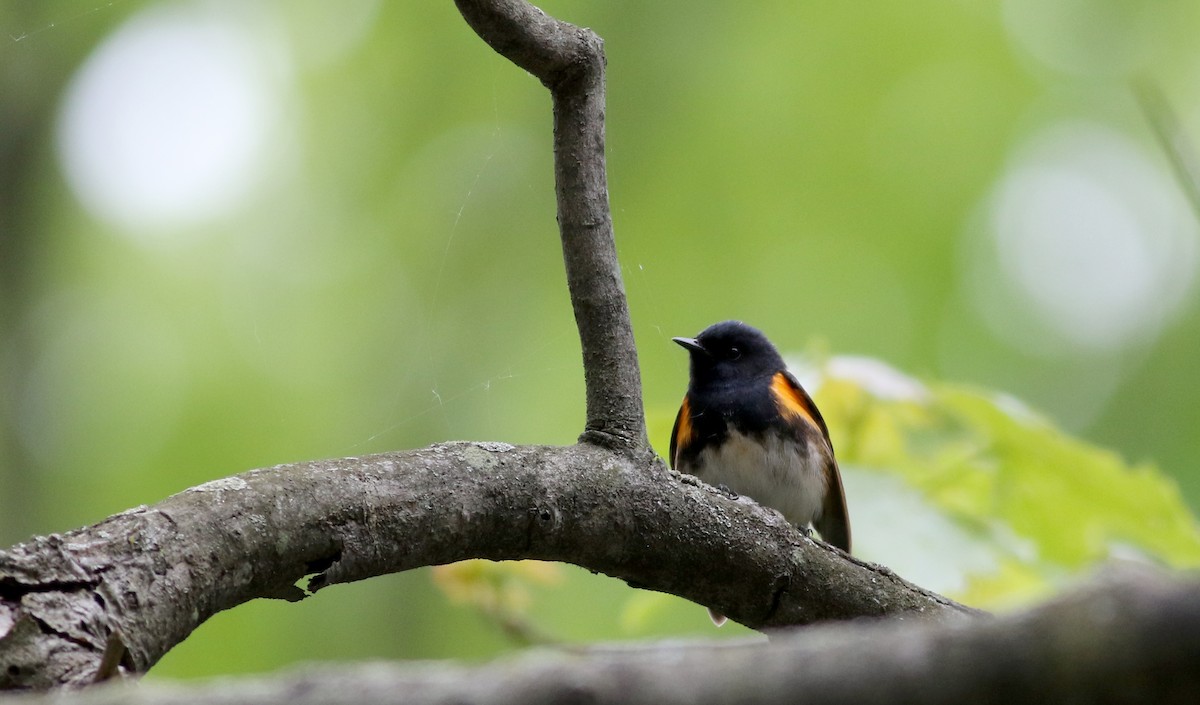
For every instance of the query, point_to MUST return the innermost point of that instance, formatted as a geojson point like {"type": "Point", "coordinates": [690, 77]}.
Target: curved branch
{"type": "Point", "coordinates": [153, 574]}
{"type": "Point", "coordinates": [570, 62]}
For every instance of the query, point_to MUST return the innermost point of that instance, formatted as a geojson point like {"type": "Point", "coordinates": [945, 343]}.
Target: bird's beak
{"type": "Point", "coordinates": [691, 344]}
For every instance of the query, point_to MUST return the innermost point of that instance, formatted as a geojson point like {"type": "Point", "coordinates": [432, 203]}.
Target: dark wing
{"type": "Point", "coordinates": [834, 522]}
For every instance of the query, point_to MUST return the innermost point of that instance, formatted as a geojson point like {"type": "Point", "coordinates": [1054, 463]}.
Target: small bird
{"type": "Point", "coordinates": [748, 426]}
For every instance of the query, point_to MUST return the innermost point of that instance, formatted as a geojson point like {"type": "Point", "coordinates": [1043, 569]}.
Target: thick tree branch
{"type": "Point", "coordinates": [155, 573]}
{"type": "Point", "coordinates": [570, 62]}
{"type": "Point", "coordinates": [1129, 637]}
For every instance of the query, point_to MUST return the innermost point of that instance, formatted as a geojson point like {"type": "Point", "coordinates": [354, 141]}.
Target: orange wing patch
{"type": "Point", "coordinates": [682, 435]}
{"type": "Point", "coordinates": [792, 401]}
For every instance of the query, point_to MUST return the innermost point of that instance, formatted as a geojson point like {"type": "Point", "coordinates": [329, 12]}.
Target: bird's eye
{"type": "Point", "coordinates": [734, 353]}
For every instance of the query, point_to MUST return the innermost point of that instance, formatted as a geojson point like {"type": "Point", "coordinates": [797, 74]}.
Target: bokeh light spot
{"type": "Point", "coordinates": [1082, 37]}
{"type": "Point", "coordinates": [1092, 247]}
{"type": "Point", "coordinates": [167, 122]}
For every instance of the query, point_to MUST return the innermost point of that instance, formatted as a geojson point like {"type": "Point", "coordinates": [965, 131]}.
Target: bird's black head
{"type": "Point", "coordinates": [731, 350]}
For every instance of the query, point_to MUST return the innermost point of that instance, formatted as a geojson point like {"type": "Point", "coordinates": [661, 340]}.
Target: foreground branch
{"type": "Point", "coordinates": [153, 574]}
{"type": "Point", "coordinates": [1129, 637]}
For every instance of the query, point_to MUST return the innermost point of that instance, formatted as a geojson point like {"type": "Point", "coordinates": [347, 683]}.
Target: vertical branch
{"type": "Point", "coordinates": [569, 61]}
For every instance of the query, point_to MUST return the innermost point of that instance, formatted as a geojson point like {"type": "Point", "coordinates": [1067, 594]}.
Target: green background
{"type": "Point", "coordinates": [393, 277]}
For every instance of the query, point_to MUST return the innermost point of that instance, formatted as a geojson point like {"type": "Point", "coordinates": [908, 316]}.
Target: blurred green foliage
{"type": "Point", "coordinates": [394, 279]}
{"type": "Point", "coordinates": [1041, 504]}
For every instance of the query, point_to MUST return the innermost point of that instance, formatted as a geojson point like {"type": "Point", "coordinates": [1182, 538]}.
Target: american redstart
{"type": "Point", "coordinates": [747, 425]}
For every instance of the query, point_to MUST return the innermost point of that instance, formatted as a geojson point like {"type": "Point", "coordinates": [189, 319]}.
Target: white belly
{"type": "Point", "coordinates": [771, 473]}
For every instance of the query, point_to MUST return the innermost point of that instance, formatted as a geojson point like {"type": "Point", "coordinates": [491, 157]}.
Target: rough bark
{"type": "Point", "coordinates": [1130, 637]}
{"type": "Point", "coordinates": [153, 574]}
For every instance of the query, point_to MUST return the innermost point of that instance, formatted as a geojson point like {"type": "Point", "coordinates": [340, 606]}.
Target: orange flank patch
{"type": "Point", "coordinates": [683, 429]}
{"type": "Point", "coordinates": [790, 400]}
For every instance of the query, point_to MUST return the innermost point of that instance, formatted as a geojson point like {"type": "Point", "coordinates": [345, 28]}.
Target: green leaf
{"type": "Point", "coordinates": [972, 494]}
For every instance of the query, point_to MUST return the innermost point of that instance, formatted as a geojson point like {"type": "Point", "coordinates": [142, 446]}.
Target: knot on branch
{"type": "Point", "coordinates": [556, 52]}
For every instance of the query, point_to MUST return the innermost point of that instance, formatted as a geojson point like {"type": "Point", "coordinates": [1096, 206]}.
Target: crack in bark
{"type": "Point", "coordinates": [782, 583]}
{"type": "Point", "coordinates": [321, 567]}
{"type": "Point", "coordinates": [13, 589]}
{"type": "Point", "coordinates": [48, 628]}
